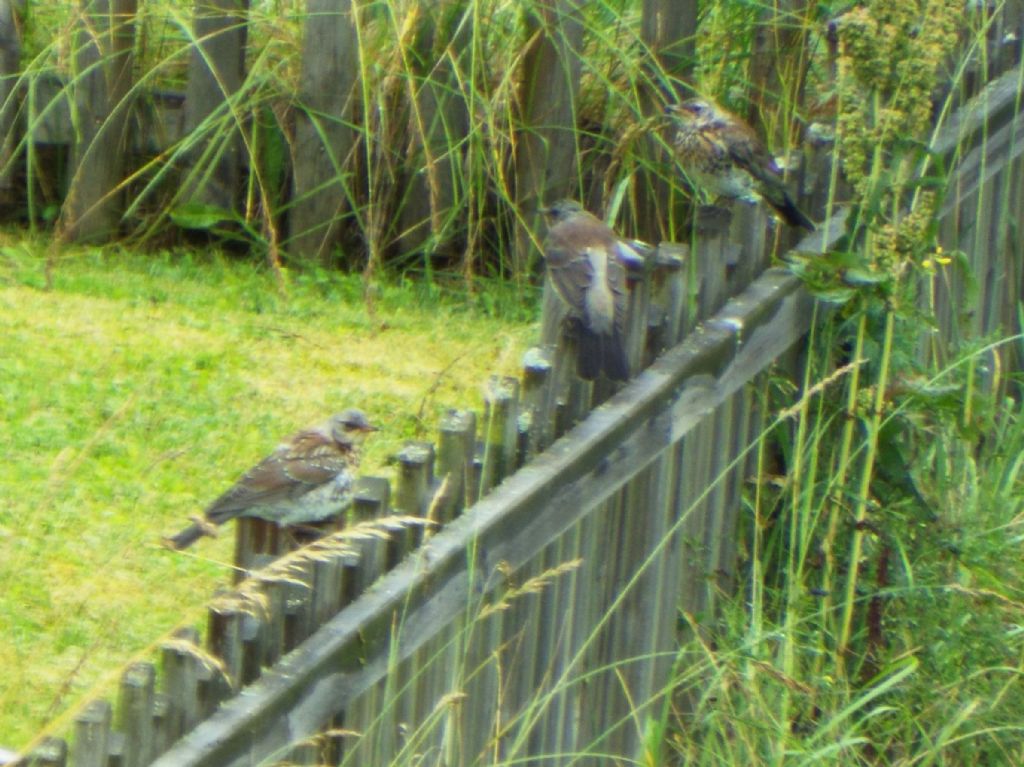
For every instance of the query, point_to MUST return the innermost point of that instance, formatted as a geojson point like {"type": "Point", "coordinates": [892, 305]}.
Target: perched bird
{"type": "Point", "coordinates": [306, 479]}
{"type": "Point", "coordinates": [722, 154]}
{"type": "Point", "coordinates": [586, 261]}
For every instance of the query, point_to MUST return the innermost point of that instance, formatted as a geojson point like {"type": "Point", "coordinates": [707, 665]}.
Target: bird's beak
{"type": "Point", "coordinates": [369, 427]}
{"type": "Point", "coordinates": [679, 110]}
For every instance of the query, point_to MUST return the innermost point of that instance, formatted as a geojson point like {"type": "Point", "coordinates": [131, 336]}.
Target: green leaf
{"type": "Point", "coordinates": [860, 276]}
{"type": "Point", "coordinates": [196, 215]}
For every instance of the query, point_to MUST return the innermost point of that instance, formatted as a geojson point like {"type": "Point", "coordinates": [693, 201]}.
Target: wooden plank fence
{"type": "Point", "coordinates": [194, 146]}
{"type": "Point", "coordinates": [542, 620]}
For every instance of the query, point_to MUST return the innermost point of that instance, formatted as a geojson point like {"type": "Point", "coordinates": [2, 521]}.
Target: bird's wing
{"type": "Point", "coordinates": [617, 283]}
{"type": "Point", "coordinates": [284, 475]}
{"type": "Point", "coordinates": [627, 255]}
{"type": "Point", "coordinates": [748, 153]}
{"type": "Point", "coordinates": [571, 273]}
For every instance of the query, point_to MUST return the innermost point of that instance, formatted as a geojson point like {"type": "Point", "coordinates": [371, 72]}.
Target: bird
{"type": "Point", "coordinates": [721, 153]}
{"type": "Point", "coordinates": [308, 478]}
{"type": "Point", "coordinates": [587, 263]}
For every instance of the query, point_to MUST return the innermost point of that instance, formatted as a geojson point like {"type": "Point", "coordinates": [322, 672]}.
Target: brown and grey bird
{"type": "Point", "coordinates": [587, 262]}
{"type": "Point", "coordinates": [307, 478]}
{"type": "Point", "coordinates": [719, 152]}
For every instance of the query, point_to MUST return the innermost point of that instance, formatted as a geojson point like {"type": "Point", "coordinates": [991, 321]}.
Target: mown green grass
{"type": "Point", "coordinates": [139, 387]}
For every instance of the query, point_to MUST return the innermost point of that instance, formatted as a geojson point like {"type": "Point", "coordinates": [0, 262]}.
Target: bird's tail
{"type": "Point", "coordinates": [600, 351]}
{"type": "Point", "coordinates": [188, 536]}
{"type": "Point", "coordinates": [790, 213]}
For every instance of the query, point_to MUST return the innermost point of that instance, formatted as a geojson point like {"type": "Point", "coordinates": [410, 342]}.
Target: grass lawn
{"type": "Point", "coordinates": [139, 387]}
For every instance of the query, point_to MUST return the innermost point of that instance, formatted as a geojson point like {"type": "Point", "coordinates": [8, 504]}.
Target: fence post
{"type": "Point", "coordinates": [371, 501]}
{"type": "Point", "coordinates": [103, 78]}
{"type": "Point", "coordinates": [10, 66]}
{"type": "Point", "coordinates": [668, 28]}
{"type": "Point", "coordinates": [298, 607]}
{"type": "Point", "coordinates": [456, 438]}
{"type": "Point", "coordinates": [546, 158]}
{"type": "Point", "coordinates": [328, 573]}
{"type": "Point", "coordinates": [92, 735]}
{"type": "Point", "coordinates": [324, 136]}
{"type": "Point", "coordinates": [258, 542]}
{"type": "Point", "coordinates": [273, 641]}
{"type": "Point", "coordinates": [439, 121]}
{"type": "Point", "coordinates": [215, 74]}
{"type": "Point", "coordinates": [224, 639]}
{"type": "Point", "coordinates": [415, 479]}
{"type": "Point", "coordinates": [535, 416]}
{"type": "Point", "coordinates": [500, 430]}
{"type": "Point", "coordinates": [135, 714]}
{"type": "Point", "coordinates": [181, 683]}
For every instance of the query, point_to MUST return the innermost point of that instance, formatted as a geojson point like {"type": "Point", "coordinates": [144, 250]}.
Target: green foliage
{"type": "Point", "coordinates": [929, 669]}
{"type": "Point", "coordinates": [879, 622]}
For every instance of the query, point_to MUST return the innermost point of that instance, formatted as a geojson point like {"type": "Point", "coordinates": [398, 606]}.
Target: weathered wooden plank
{"type": "Point", "coordinates": [212, 686]}
{"type": "Point", "coordinates": [535, 421]}
{"type": "Point", "coordinates": [253, 633]}
{"type": "Point", "coordinates": [545, 159]}
{"type": "Point", "coordinates": [415, 479]}
{"type": "Point", "coordinates": [92, 735]}
{"type": "Point", "coordinates": [537, 504]}
{"type": "Point", "coordinates": [215, 74]}
{"type": "Point", "coordinates": [516, 651]}
{"type": "Point", "coordinates": [667, 29]}
{"type": "Point", "coordinates": [298, 610]}
{"type": "Point", "coordinates": [224, 638]}
{"type": "Point", "coordinates": [474, 473]}
{"type": "Point", "coordinates": [998, 102]}
{"type": "Point", "coordinates": [370, 498]}
{"type": "Point", "coordinates": [10, 60]}
{"type": "Point", "coordinates": [324, 136]}
{"type": "Point", "coordinates": [274, 594]}
{"type": "Point", "coordinates": [438, 124]}
{"type": "Point", "coordinates": [328, 574]}
{"type": "Point", "coordinates": [258, 542]}
{"type": "Point", "coordinates": [566, 609]}
{"type": "Point", "coordinates": [501, 402]}
{"type": "Point", "coordinates": [1000, 149]}
{"type": "Point", "coordinates": [52, 752]}
{"type": "Point", "coordinates": [135, 714]}
{"type": "Point", "coordinates": [181, 683]}
{"type": "Point", "coordinates": [371, 501]}
{"type": "Point", "coordinates": [161, 735]}
{"type": "Point", "coordinates": [668, 294]}
{"type": "Point", "coordinates": [483, 682]}
{"type": "Point", "coordinates": [103, 76]}
{"type": "Point", "coordinates": [751, 228]}
{"type": "Point", "coordinates": [456, 435]}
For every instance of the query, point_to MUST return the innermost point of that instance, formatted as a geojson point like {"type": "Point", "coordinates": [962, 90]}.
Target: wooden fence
{"type": "Point", "coordinates": [543, 619]}
{"type": "Point", "coordinates": [88, 134]}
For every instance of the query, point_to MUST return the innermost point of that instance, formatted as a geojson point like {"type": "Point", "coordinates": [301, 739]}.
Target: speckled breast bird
{"type": "Point", "coordinates": [721, 153]}
{"type": "Point", "coordinates": [307, 478]}
{"type": "Point", "coordinates": [587, 263]}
